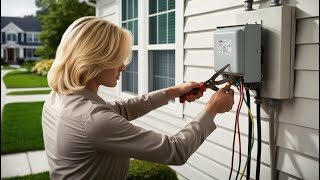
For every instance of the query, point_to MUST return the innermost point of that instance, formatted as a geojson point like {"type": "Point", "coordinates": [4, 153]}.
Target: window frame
{"type": "Point", "coordinates": [10, 34]}
{"type": "Point", "coordinates": [32, 34]}
{"type": "Point", "coordinates": [126, 94]}
{"type": "Point", "coordinates": [173, 108]}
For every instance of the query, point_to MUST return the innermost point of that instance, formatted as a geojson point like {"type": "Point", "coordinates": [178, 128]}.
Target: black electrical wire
{"type": "Point", "coordinates": [258, 101]}
{"type": "Point", "coordinates": [249, 135]}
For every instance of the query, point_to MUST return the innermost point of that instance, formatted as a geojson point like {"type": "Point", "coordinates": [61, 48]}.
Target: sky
{"type": "Point", "coordinates": [18, 8]}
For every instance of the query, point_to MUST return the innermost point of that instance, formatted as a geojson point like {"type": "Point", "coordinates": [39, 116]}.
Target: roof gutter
{"type": "Point", "coordinates": [88, 3]}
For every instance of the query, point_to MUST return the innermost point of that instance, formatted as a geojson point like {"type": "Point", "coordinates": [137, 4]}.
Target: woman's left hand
{"type": "Point", "coordinates": [179, 90]}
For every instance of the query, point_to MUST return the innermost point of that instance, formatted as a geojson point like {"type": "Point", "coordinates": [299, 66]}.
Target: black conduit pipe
{"type": "Point", "coordinates": [248, 5]}
{"type": "Point", "coordinates": [258, 101]}
{"type": "Point", "coordinates": [275, 3]}
{"type": "Point", "coordinates": [249, 135]}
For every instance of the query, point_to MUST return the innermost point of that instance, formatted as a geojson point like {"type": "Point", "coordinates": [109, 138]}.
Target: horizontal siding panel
{"type": "Point", "coordinates": [202, 39]}
{"type": "Point", "coordinates": [299, 139]}
{"type": "Point", "coordinates": [304, 9]}
{"type": "Point", "coordinates": [215, 170]}
{"type": "Point", "coordinates": [226, 120]}
{"type": "Point", "coordinates": [108, 10]}
{"type": "Point", "coordinates": [212, 20]}
{"type": "Point", "coordinates": [224, 138]}
{"type": "Point", "coordinates": [203, 6]}
{"type": "Point", "coordinates": [101, 3]}
{"type": "Point", "coordinates": [187, 170]}
{"type": "Point", "coordinates": [307, 31]}
{"type": "Point", "coordinates": [300, 111]}
{"type": "Point", "coordinates": [307, 57]}
{"type": "Point", "coordinates": [112, 18]}
{"type": "Point", "coordinates": [297, 165]}
{"type": "Point", "coordinates": [306, 84]}
{"type": "Point", "coordinates": [286, 176]}
{"type": "Point", "coordinates": [190, 172]}
{"type": "Point", "coordinates": [223, 155]}
{"type": "Point", "coordinates": [199, 57]}
{"type": "Point", "coordinates": [156, 124]}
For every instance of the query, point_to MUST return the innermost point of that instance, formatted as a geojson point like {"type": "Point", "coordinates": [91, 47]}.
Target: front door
{"type": "Point", "coordinates": [10, 55]}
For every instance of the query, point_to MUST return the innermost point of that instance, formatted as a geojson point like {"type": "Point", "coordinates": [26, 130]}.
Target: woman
{"type": "Point", "coordinates": [88, 138]}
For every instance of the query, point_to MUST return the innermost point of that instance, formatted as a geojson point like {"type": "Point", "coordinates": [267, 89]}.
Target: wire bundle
{"type": "Point", "coordinates": [242, 98]}
{"type": "Point", "coordinates": [241, 90]}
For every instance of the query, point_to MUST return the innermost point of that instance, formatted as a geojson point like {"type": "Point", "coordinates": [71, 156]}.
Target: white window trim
{"type": "Point", "coordinates": [10, 33]}
{"type": "Point", "coordinates": [120, 93]}
{"type": "Point", "coordinates": [32, 37]}
{"type": "Point", "coordinates": [173, 108]}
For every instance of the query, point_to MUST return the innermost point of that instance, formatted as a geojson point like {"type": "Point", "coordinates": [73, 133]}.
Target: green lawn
{"type": "Point", "coordinates": [22, 79]}
{"type": "Point", "coordinates": [6, 67]}
{"type": "Point", "coordinates": [40, 176]}
{"type": "Point", "coordinates": [21, 127]}
{"type": "Point", "coordinates": [29, 92]}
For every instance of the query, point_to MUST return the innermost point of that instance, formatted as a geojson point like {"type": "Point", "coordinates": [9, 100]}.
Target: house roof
{"type": "Point", "coordinates": [26, 23]}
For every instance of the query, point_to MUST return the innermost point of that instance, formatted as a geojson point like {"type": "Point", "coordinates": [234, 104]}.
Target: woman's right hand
{"type": "Point", "coordinates": [221, 102]}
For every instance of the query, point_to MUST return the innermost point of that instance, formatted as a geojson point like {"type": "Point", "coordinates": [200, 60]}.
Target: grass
{"type": "Point", "coordinates": [22, 79]}
{"type": "Point", "coordinates": [6, 67]}
{"type": "Point", "coordinates": [29, 92]}
{"type": "Point", "coordinates": [40, 176]}
{"type": "Point", "coordinates": [21, 127]}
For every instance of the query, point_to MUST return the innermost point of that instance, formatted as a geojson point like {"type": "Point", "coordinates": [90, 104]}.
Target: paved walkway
{"type": "Point", "coordinates": [20, 164]}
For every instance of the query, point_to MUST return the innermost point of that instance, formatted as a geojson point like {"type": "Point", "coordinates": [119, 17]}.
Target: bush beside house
{"type": "Point", "coordinates": [42, 67]}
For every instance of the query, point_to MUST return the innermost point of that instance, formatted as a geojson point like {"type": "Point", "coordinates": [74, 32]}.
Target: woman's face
{"type": "Point", "coordinates": [109, 77]}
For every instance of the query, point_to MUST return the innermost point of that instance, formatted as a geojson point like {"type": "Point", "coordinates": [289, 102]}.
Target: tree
{"type": "Point", "coordinates": [56, 16]}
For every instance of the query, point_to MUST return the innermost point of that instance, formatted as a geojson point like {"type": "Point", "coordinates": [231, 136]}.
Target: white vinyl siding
{"type": "Point", "coordinates": [297, 119]}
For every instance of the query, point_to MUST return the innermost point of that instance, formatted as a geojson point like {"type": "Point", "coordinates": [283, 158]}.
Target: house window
{"type": "Point", "coordinates": [11, 37]}
{"type": "Point", "coordinates": [130, 17]}
{"type": "Point", "coordinates": [161, 21]}
{"type": "Point", "coordinates": [130, 22]}
{"type": "Point", "coordinates": [31, 53]}
{"type": "Point", "coordinates": [161, 36]}
{"type": "Point", "coordinates": [29, 37]}
{"type": "Point", "coordinates": [130, 75]}
{"type": "Point", "coordinates": [162, 69]}
{"type": "Point", "coordinates": [33, 37]}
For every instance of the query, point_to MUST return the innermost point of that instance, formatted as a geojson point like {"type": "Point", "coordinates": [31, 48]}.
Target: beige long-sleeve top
{"type": "Point", "coordinates": [88, 138]}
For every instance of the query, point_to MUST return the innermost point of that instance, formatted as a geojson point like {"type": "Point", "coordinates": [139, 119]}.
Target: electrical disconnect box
{"type": "Point", "coordinates": [239, 46]}
{"type": "Point", "coordinates": [260, 53]}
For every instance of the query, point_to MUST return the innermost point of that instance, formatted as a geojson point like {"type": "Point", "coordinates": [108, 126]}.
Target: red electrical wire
{"type": "Point", "coordinates": [236, 125]}
{"type": "Point", "coordinates": [238, 113]}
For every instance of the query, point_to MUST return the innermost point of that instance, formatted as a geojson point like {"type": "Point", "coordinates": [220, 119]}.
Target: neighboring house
{"type": "Point", "coordinates": [19, 38]}
{"type": "Point", "coordinates": [173, 43]}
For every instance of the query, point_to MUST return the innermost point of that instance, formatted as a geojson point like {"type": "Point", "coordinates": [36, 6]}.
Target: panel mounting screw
{"type": "Point", "coordinates": [258, 51]}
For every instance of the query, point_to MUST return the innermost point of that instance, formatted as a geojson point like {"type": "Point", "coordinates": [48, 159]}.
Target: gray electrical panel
{"type": "Point", "coordinates": [239, 46]}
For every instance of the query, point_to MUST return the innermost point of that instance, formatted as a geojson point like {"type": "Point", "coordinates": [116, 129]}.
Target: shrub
{"type": "Point", "coordinates": [3, 62]}
{"type": "Point", "coordinates": [28, 65]}
{"type": "Point", "coordinates": [42, 67]}
{"type": "Point", "coordinates": [150, 171]}
{"type": "Point", "coordinates": [20, 61]}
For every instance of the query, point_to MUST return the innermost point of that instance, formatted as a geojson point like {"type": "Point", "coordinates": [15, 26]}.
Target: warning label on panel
{"type": "Point", "coordinates": [224, 46]}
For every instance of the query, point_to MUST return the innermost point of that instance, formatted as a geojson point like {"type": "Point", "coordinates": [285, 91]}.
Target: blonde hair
{"type": "Point", "coordinates": [87, 47]}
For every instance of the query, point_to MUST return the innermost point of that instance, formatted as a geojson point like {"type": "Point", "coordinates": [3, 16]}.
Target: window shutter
{"type": "Point", "coordinates": [19, 37]}
{"type": "Point", "coordinates": [3, 36]}
{"type": "Point", "coordinates": [25, 37]}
